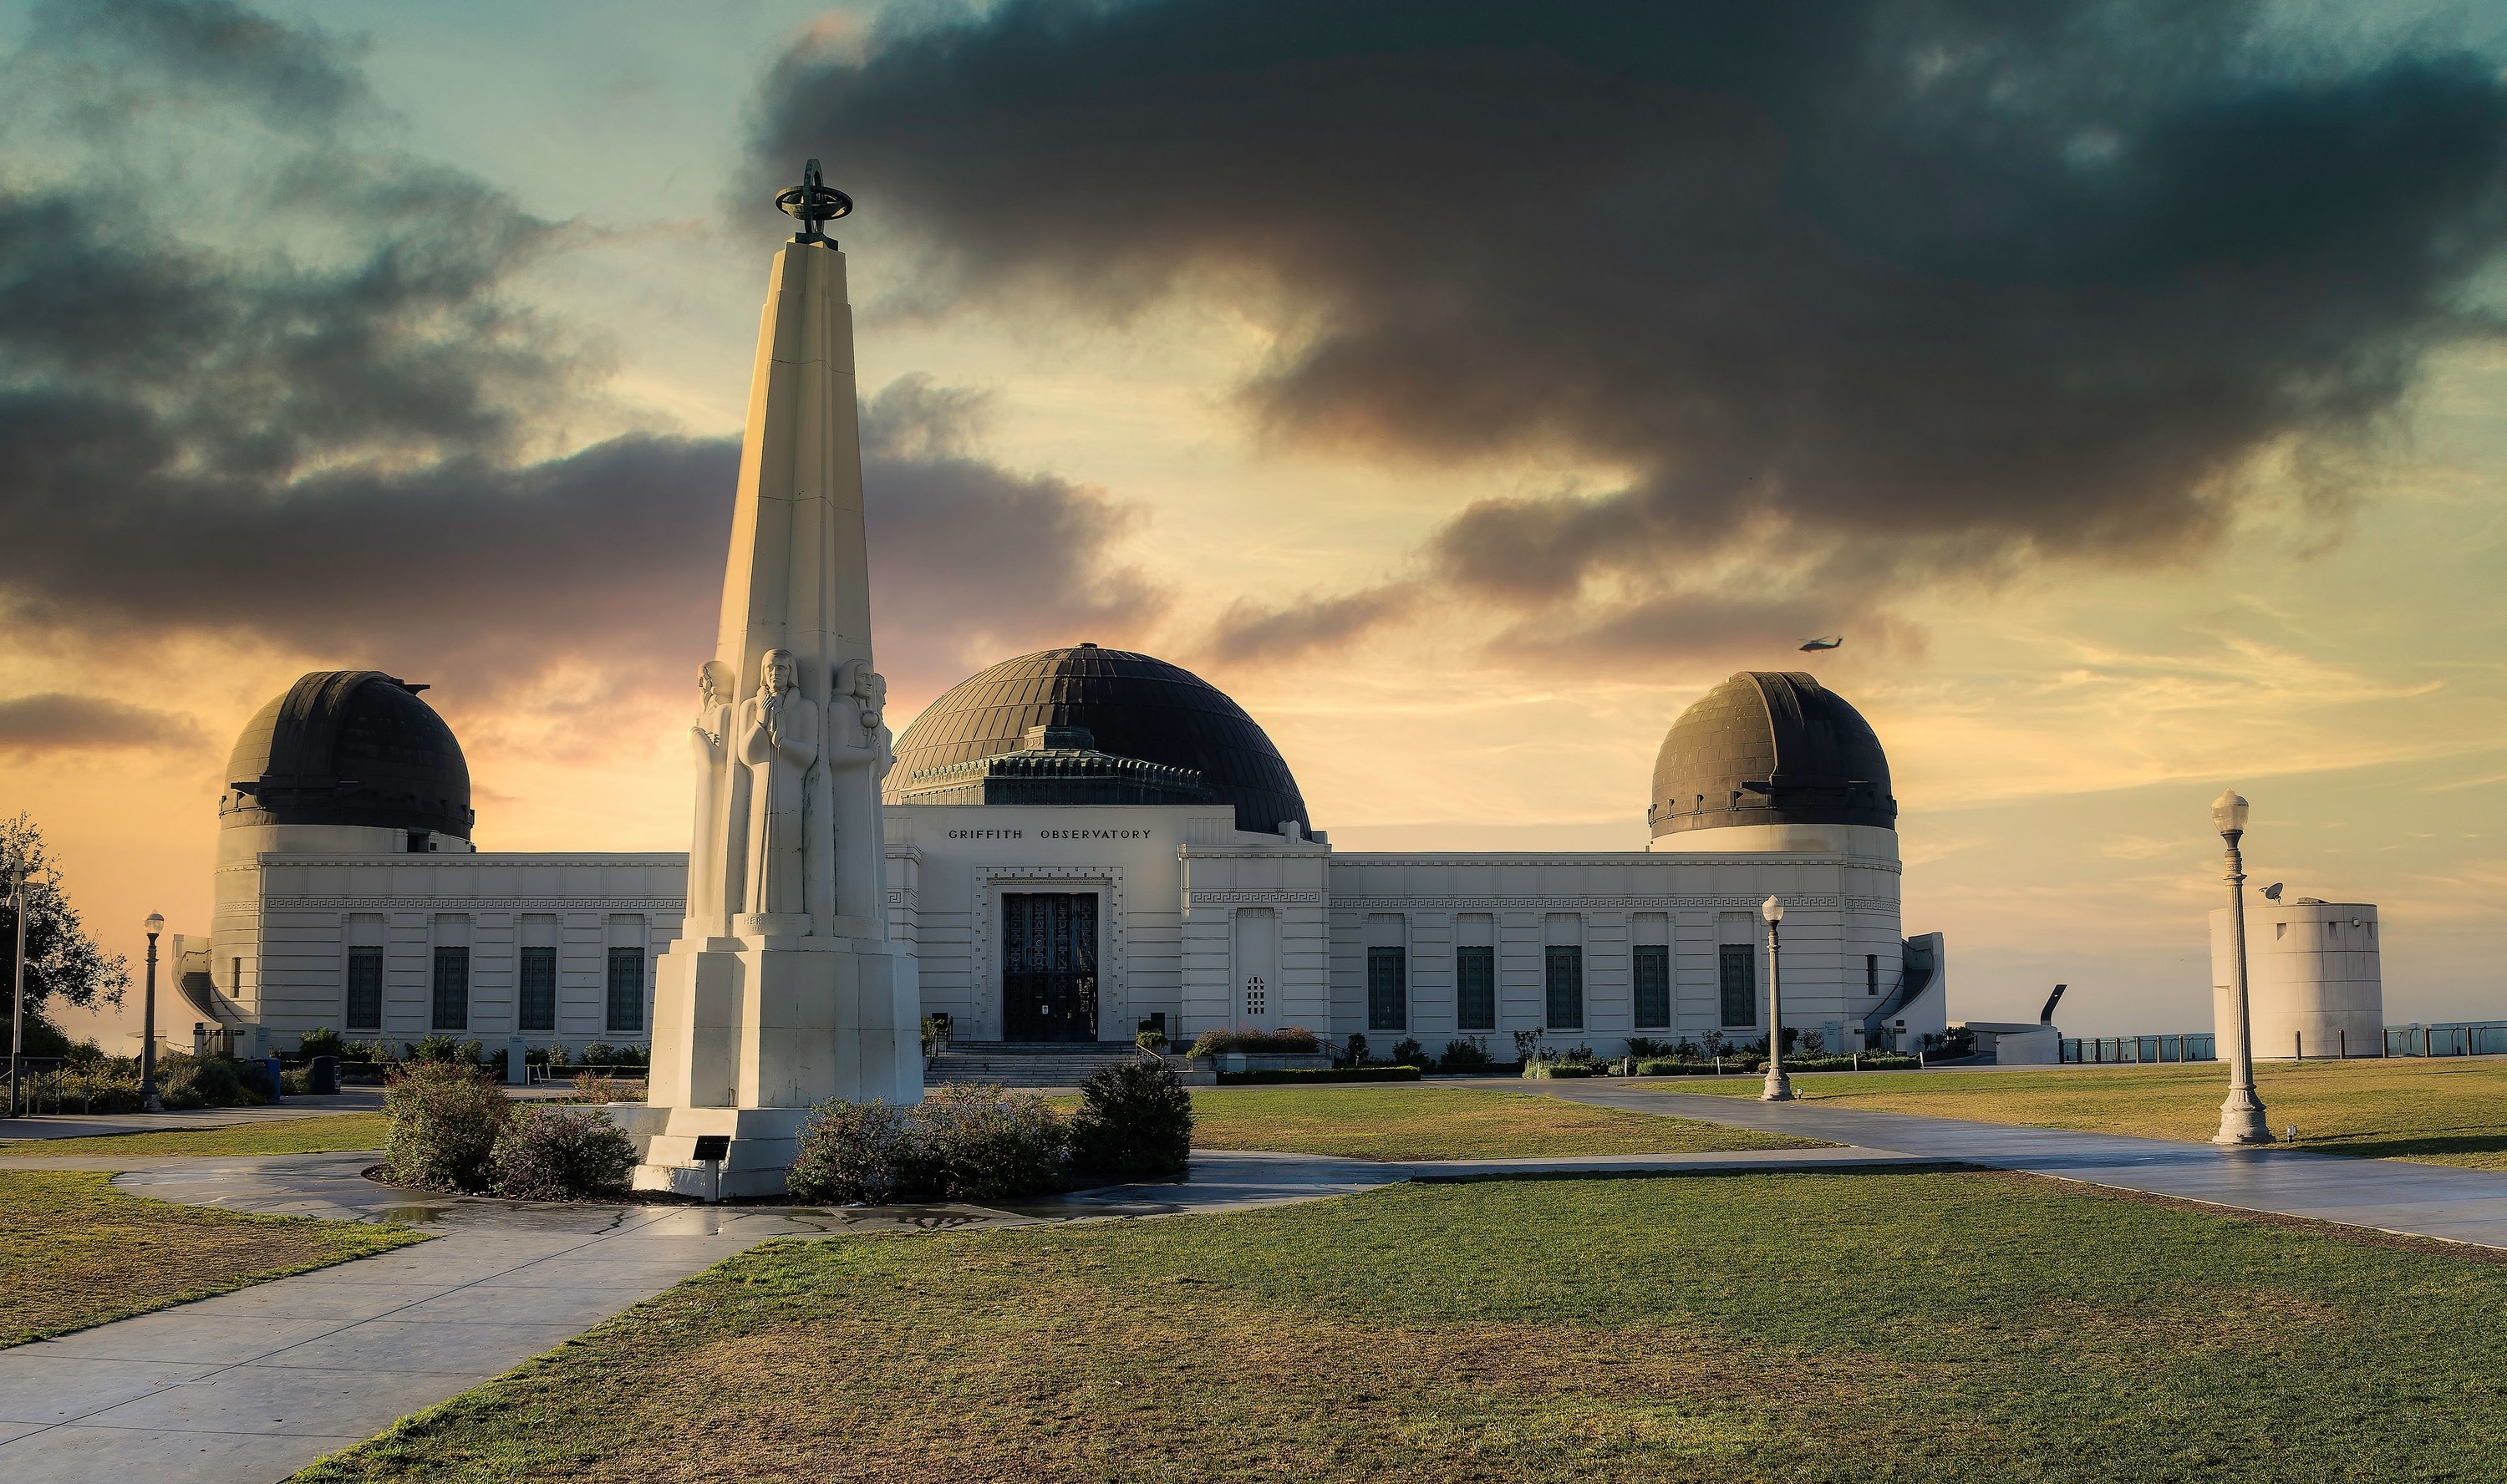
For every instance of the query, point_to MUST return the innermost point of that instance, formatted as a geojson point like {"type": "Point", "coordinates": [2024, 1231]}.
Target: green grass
{"type": "Point", "coordinates": [74, 1251]}
{"type": "Point", "coordinates": [2436, 1111]}
{"type": "Point", "coordinates": [331, 1135]}
{"type": "Point", "coordinates": [1906, 1326]}
{"type": "Point", "coordinates": [1406, 1121]}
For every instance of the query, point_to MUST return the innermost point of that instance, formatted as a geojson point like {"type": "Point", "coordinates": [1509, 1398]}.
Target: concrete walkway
{"type": "Point", "coordinates": [251, 1386]}
{"type": "Point", "coordinates": [2437, 1201]}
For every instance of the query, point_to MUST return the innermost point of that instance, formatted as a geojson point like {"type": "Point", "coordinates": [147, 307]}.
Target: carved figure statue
{"type": "Point", "coordinates": [779, 743]}
{"type": "Point", "coordinates": [709, 895]}
{"type": "Point", "coordinates": [860, 753]}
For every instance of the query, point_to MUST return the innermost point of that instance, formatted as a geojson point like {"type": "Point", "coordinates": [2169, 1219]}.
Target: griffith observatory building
{"type": "Point", "coordinates": [1080, 843]}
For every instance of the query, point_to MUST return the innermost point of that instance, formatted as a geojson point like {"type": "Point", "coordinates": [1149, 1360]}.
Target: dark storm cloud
{"type": "Point", "coordinates": [290, 77]}
{"type": "Point", "coordinates": [1950, 287]}
{"type": "Point", "coordinates": [976, 561]}
{"type": "Point", "coordinates": [333, 452]}
{"type": "Point", "coordinates": [59, 722]}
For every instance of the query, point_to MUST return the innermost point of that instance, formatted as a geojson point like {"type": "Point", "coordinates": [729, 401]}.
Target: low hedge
{"type": "Point", "coordinates": [1319, 1075]}
{"type": "Point", "coordinates": [1875, 1060]}
{"type": "Point", "coordinates": [1543, 1071]}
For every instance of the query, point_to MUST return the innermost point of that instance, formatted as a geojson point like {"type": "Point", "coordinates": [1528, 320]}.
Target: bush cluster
{"type": "Point", "coordinates": [1287, 1040]}
{"type": "Point", "coordinates": [444, 1119]}
{"type": "Point", "coordinates": [1463, 1056]}
{"type": "Point", "coordinates": [453, 1128]}
{"type": "Point", "coordinates": [1134, 1118]}
{"type": "Point", "coordinates": [980, 1143]}
{"type": "Point", "coordinates": [961, 1142]}
{"type": "Point", "coordinates": [546, 1153]}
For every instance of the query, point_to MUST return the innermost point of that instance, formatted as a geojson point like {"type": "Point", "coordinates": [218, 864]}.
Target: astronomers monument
{"type": "Point", "coordinates": [783, 990]}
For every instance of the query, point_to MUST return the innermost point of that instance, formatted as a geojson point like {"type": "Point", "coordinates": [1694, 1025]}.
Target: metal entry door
{"type": "Point", "coordinates": [1049, 965]}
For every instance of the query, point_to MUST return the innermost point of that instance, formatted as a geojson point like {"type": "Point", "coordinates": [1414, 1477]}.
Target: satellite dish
{"type": "Point", "coordinates": [1830, 643]}
{"type": "Point", "coordinates": [2271, 894]}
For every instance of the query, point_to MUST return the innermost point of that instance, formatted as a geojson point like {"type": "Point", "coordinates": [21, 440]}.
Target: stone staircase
{"type": "Point", "coordinates": [1026, 1064]}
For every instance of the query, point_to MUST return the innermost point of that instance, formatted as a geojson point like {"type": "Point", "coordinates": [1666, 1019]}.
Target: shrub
{"type": "Point", "coordinates": [444, 1119]}
{"type": "Point", "coordinates": [296, 1081]}
{"type": "Point", "coordinates": [1644, 1048]}
{"type": "Point", "coordinates": [937, 1032]}
{"type": "Point", "coordinates": [1527, 1046]}
{"type": "Point", "coordinates": [1274, 1075]}
{"type": "Point", "coordinates": [1287, 1040]}
{"type": "Point", "coordinates": [598, 1087]}
{"type": "Point", "coordinates": [961, 1142]}
{"type": "Point", "coordinates": [1155, 1042]}
{"type": "Point", "coordinates": [561, 1154]}
{"type": "Point", "coordinates": [320, 1042]}
{"type": "Point", "coordinates": [213, 1083]}
{"type": "Point", "coordinates": [437, 1048]}
{"type": "Point", "coordinates": [1134, 1120]}
{"type": "Point", "coordinates": [1466, 1056]}
{"type": "Point", "coordinates": [1408, 1052]}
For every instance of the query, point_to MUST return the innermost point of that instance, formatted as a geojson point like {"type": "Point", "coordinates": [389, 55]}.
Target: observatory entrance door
{"type": "Point", "coordinates": [1049, 965]}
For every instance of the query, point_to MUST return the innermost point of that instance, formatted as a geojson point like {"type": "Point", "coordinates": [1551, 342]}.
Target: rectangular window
{"type": "Point", "coordinates": [1738, 963]}
{"type": "Point", "coordinates": [1388, 1000]}
{"type": "Point", "coordinates": [1566, 975]}
{"type": "Point", "coordinates": [1476, 988]}
{"type": "Point", "coordinates": [451, 989]}
{"type": "Point", "coordinates": [1653, 986]}
{"type": "Point", "coordinates": [538, 989]}
{"type": "Point", "coordinates": [365, 1009]}
{"type": "Point", "coordinates": [1871, 973]}
{"type": "Point", "coordinates": [626, 989]}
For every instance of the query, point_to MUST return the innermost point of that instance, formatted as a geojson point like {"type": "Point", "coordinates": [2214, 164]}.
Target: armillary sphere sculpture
{"type": "Point", "coordinates": [813, 201]}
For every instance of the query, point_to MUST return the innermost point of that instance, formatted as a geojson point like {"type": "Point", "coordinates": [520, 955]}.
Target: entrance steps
{"type": "Point", "coordinates": [1026, 1064]}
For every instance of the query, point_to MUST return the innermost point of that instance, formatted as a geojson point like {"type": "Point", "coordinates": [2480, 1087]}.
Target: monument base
{"type": "Point", "coordinates": [751, 1033]}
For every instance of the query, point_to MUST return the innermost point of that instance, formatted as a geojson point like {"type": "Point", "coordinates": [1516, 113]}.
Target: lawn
{"type": "Point", "coordinates": [287, 1135]}
{"type": "Point", "coordinates": [1404, 1121]}
{"type": "Point", "coordinates": [74, 1251]}
{"type": "Point", "coordinates": [2446, 1112]}
{"type": "Point", "coordinates": [1908, 1326]}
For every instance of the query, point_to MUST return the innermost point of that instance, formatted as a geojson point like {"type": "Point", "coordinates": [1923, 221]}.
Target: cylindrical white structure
{"type": "Point", "coordinates": [2314, 987]}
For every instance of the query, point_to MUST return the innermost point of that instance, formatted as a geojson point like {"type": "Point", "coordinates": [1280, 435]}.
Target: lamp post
{"type": "Point", "coordinates": [147, 1098]}
{"type": "Point", "coordinates": [17, 1007]}
{"type": "Point", "coordinates": [1779, 1087]}
{"type": "Point", "coordinates": [2241, 1116]}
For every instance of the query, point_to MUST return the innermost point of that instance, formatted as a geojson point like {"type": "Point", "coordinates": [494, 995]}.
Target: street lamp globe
{"type": "Point", "coordinates": [155, 924]}
{"type": "Point", "coordinates": [1772, 910]}
{"type": "Point", "coordinates": [2229, 813]}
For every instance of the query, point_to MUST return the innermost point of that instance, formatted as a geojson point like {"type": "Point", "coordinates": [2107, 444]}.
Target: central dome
{"type": "Point", "coordinates": [1132, 705]}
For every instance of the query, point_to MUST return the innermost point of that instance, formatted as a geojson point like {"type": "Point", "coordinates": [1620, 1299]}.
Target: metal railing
{"type": "Point", "coordinates": [2089, 1050]}
{"type": "Point", "coordinates": [2464, 1038]}
{"type": "Point", "coordinates": [48, 1079]}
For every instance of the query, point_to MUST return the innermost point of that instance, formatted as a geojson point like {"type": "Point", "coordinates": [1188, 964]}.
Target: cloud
{"type": "Point", "coordinates": [337, 431]}
{"type": "Point", "coordinates": [1251, 631]}
{"type": "Point", "coordinates": [1933, 290]}
{"type": "Point", "coordinates": [975, 561]}
{"type": "Point", "coordinates": [56, 722]}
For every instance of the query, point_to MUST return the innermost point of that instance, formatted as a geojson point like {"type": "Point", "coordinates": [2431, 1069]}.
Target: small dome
{"type": "Point", "coordinates": [350, 746]}
{"type": "Point", "coordinates": [1770, 747]}
{"type": "Point", "coordinates": [1132, 705]}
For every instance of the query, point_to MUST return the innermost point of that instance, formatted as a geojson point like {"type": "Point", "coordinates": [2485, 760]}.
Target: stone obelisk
{"type": "Point", "coordinates": [783, 990]}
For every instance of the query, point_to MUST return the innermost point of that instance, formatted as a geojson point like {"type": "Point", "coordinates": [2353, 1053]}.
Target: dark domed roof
{"type": "Point", "coordinates": [1133, 706]}
{"type": "Point", "coordinates": [350, 746]}
{"type": "Point", "coordinates": [1770, 747]}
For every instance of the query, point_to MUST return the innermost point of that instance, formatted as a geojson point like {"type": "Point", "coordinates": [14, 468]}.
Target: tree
{"type": "Point", "coordinates": [61, 960]}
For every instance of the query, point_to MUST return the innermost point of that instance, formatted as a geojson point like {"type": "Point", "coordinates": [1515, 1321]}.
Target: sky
{"type": "Point", "coordinates": [1464, 387]}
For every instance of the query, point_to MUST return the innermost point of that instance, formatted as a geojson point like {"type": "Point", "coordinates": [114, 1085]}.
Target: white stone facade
{"type": "Point", "coordinates": [1197, 921]}
{"type": "Point", "coordinates": [298, 904]}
